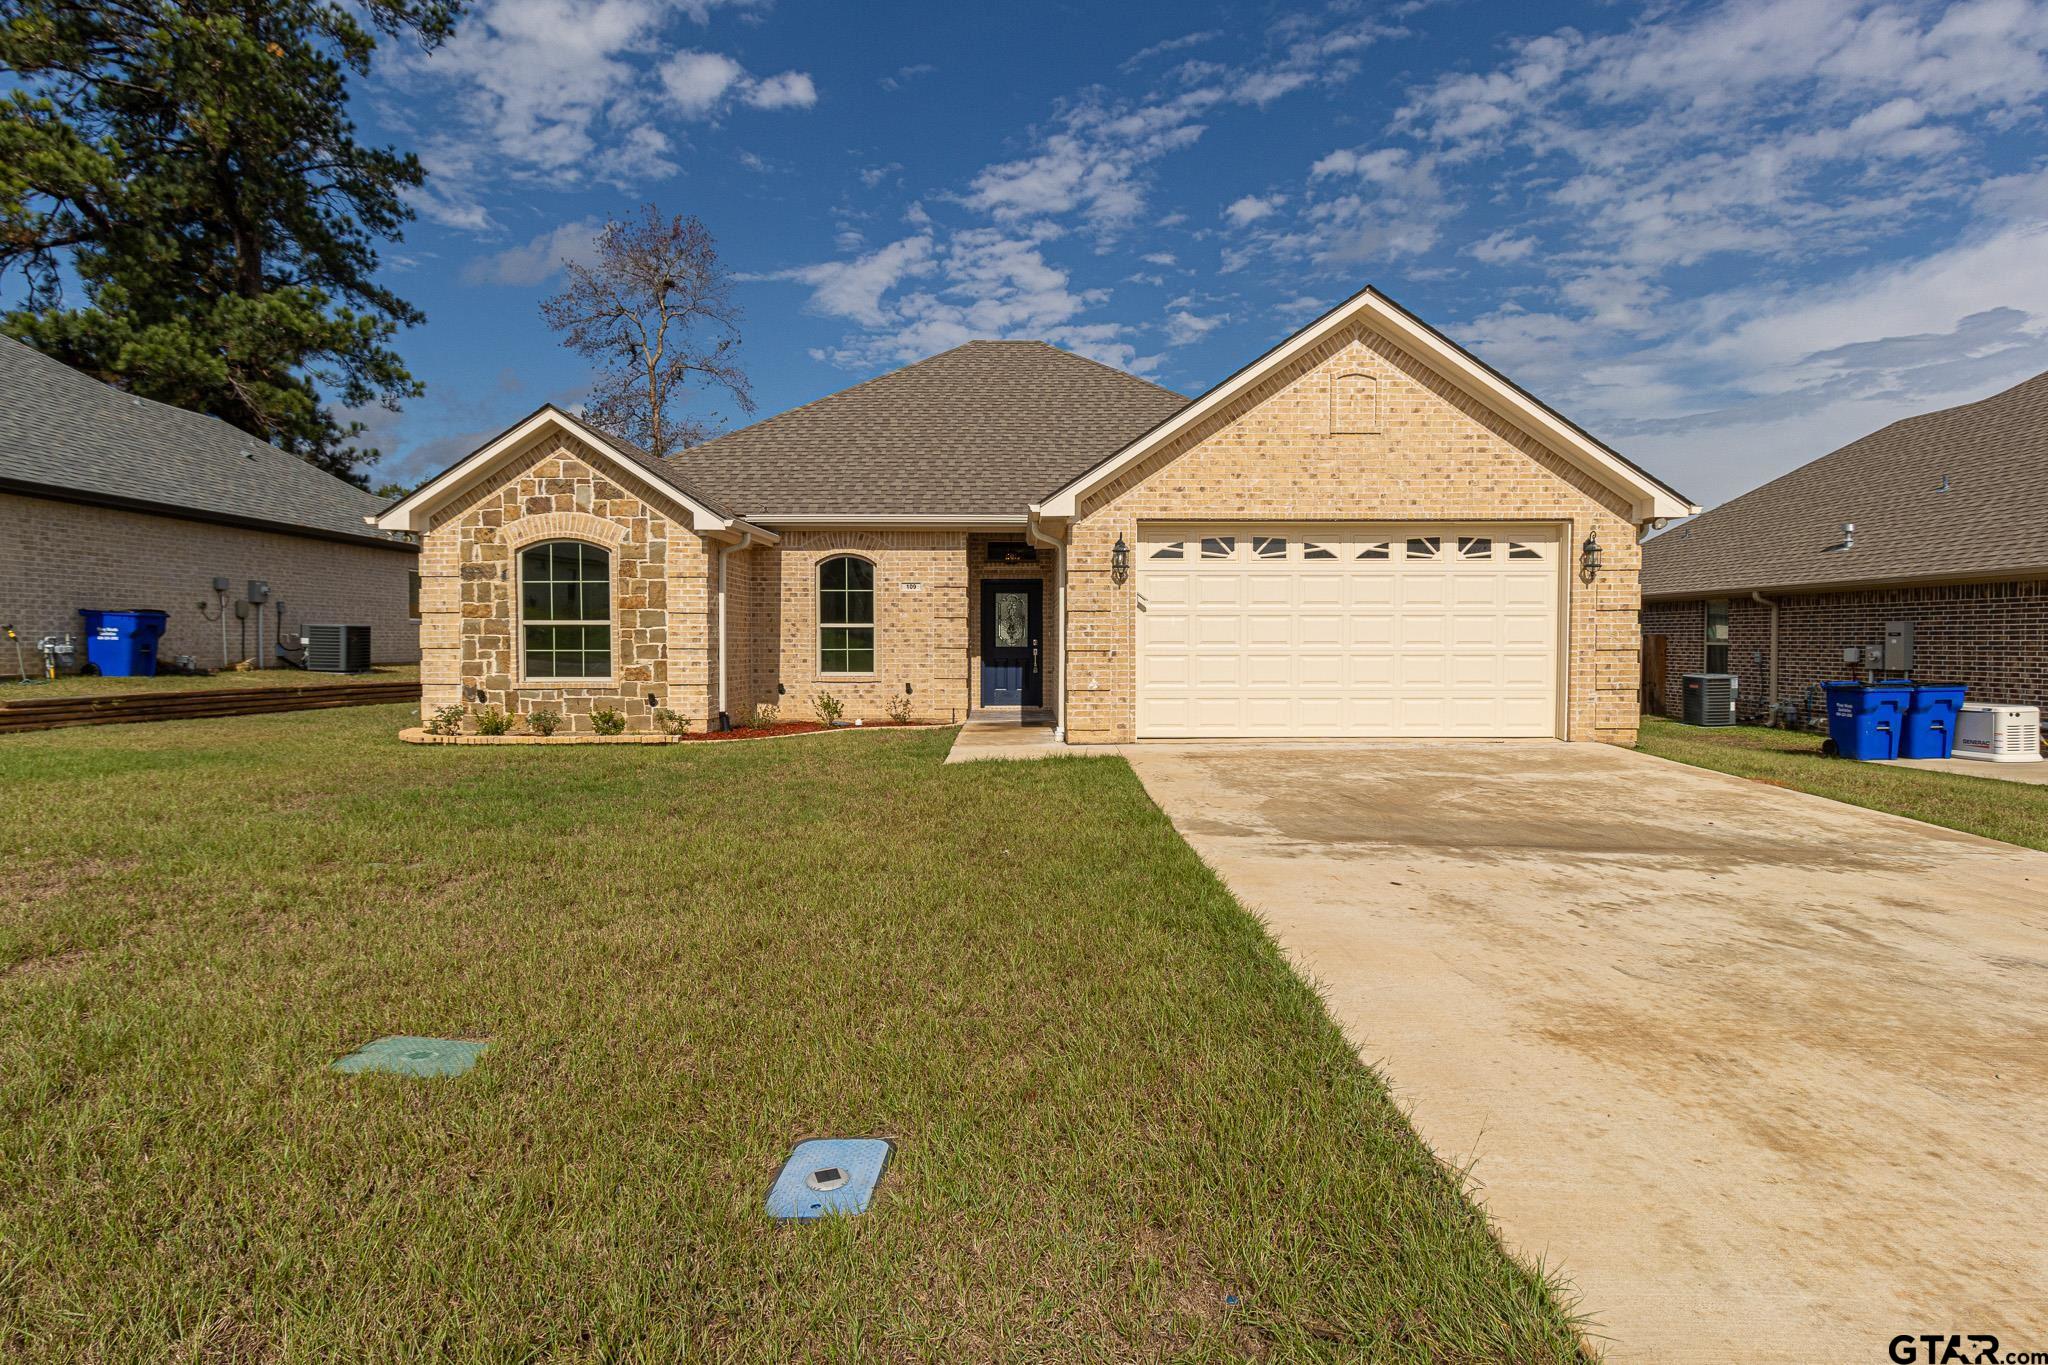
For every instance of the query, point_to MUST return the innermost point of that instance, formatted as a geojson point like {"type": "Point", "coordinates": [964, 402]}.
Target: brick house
{"type": "Point", "coordinates": [108, 500]}
{"type": "Point", "coordinates": [1364, 532]}
{"type": "Point", "coordinates": [1948, 535]}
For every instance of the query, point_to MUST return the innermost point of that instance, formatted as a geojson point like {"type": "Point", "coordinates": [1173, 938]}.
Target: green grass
{"type": "Point", "coordinates": [72, 685]}
{"type": "Point", "coordinates": [2016, 812]}
{"type": "Point", "coordinates": [1115, 1107]}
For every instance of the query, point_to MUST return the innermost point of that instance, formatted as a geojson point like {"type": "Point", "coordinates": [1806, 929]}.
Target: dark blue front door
{"type": "Point", "coordinates": [1012, 662]}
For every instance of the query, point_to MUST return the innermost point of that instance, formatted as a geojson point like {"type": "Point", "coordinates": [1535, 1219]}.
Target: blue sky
{"type": "Point", "coordinates": [1726, 237]}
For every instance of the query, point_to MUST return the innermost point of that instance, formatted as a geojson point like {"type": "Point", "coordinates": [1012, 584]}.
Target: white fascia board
{"type": "Point", "coordinates": [1647, 498]}
{"type": "Point", "coordinates": [901, 523]}
{"type": "Point", "coordinates": [410, 512]}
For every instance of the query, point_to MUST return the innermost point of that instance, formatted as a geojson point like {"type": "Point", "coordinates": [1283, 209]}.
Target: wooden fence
{"type": "Point", "coordinates": [128, 707]}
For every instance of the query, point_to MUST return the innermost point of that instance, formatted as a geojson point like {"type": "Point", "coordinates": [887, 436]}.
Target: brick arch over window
{"type": "Point", "coordinates": [599, 531]}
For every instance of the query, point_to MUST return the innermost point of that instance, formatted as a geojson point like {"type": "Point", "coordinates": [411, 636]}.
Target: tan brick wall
{"type": "Point", "coordinates": [661, 595]}
{"type": "Point", "coordinates": [978, 568]}
{"type": "Point", "coordinates": [1437, 455]}
{"type": "Point", "coordinates": [921, 636]}
{"type": "Point", "coordinates": [56, 557]}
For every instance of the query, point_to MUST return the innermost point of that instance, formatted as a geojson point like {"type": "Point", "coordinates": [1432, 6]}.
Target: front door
{"type": "Point", "coordinates": [1012, 661]}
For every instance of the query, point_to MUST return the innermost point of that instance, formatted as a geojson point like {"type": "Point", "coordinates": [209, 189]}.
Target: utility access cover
{"type": "Point", "coordinates": [828, 1175]}
{"type": "Point", "coordinates": [413, 1057]}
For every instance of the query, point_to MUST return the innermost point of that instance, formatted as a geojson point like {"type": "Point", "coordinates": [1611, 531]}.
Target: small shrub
{"type": "Point", "coordinates": [667, 721]}
{"type": "Point", "coordinates": [491, 721]}
{"type": "Point", "coordinates": [543, 722]}
{"type": "Point", "coordinates": [899, 710]}
{"type": "Point", "coordinates": [766, 716]}
{"type": "Point", "coordinates": [447, 720]}
{"type": "Point", "coordinates": [607, 721]}
{"type": "Point", "coordinates": [828, 707]}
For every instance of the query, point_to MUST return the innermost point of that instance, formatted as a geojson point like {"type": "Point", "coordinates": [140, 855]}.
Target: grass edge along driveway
{"type": "Point", "coordinates": [2014, 812]}
{"type": "Point", "coordinates": [1126, 1130]}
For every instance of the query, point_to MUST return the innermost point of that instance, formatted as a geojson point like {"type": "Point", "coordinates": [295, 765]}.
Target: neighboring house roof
{"type": "Point", "coordinates": [66, 435]}
{"type": "Point", "coordinates": [1992, 457]}
{"type": "Point", "coordinates": [1649, 497]}
{"type": "Point", "coordinates": [984, 429]}
{"type": "Point", "coordinates": [412, 512]}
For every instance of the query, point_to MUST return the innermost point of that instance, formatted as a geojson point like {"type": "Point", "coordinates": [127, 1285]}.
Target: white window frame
{"type": "Point", "coordinates": [872, 625]}
{"type": "Point", "coordinates": [610, 623]}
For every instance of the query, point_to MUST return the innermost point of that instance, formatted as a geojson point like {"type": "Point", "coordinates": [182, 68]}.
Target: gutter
{"type": "Point", "coordinates": [746, 539]}
{"type": "Point", "coordinates": [1059, 613]}
{"type": "Point", "coordinates": [1770, 706]}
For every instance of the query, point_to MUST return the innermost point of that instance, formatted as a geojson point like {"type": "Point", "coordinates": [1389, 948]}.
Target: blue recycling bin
{"type": "Point", "coordinates": [122, 644]}
{"type": "Point", "coordinates": [1931, 722]}
{"type": "Point", "coordinates": [1865, 720]}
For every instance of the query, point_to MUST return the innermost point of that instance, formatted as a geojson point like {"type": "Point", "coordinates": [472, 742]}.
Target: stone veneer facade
{"type": "Point", "coordinates": [661, 591]}
{"type": "Point", "coordinates": [1436, 456]}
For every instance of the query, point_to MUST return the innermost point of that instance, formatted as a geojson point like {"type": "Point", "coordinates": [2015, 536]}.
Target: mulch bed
{"type": "Point", "coordinates": [792, 727]}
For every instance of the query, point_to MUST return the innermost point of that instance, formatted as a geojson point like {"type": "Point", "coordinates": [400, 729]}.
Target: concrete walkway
{"type": "Point", "coordinates": [2036, 773]}
{"type": "Point", "coordinates": [1762, 1074]}
{"type": "Point", "coordinates": [1005, 734]}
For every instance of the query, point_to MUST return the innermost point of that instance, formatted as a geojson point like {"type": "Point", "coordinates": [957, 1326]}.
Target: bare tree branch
{"type": "Point", "coordinates": [655, 312]}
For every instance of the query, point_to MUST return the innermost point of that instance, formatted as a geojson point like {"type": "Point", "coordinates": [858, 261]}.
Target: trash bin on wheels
{"type": "Point", "coordinates": [1865, 719]}
{"type": "Point", "coordinates": [1931, 722]}
{"type": "Point", "coordinates": [122, 644]}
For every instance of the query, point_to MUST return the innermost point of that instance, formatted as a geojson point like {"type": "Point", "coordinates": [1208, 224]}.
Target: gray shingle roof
{"type": "Point", "coordinates": [67, 434]}
{"type": "Point", "coordinates": [981, 430]}
{"type": "Point", "coordinates": [1993, 455]}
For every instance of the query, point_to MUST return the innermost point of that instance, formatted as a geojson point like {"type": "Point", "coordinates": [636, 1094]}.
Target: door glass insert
{"type": "Point", "coordinates": [1311, 550]}
{"type": "Point", "coordinates": [1517, 550]}
{"type": "Point", "coordinates": [1475, 547]}
{"type": "Point", "coordinates": [1425, 547]}
{"type": "Point", "coordinates": [1170, 550]}
{"type": "Point", "coordinates": [1013, 614]}
{"type": "Point", "coordinates": [1269, 547]}
{"type": "Point", "coordinates": [1218, 547]}
{"type": "Point", "coordinates": [1376, 550]}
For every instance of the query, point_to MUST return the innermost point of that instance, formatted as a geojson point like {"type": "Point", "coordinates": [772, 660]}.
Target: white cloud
{"type": "Point", "coordinates": [854, 289]}
{"type": "Point", "coordinates": [1159, 258]}
{"type": "Point", "coordinates": [905, 75]}
{"type": "Point", "coordinates": [567, 92]}
{"type": "Point", "coordinates": [788, 90]}
{"type": "Point", "coordinates": [1503, 248]}
{"type": "Point", "coordinates": [537, 260]}
{"type": "Point", "coordinates": [1250, 209]}
{"type": "Point", "coordinates": [698, 82]}
{"type": "Point", "coordinates": [1183, 327]}
{"type": "Point", "coordinates": [1160, 49]}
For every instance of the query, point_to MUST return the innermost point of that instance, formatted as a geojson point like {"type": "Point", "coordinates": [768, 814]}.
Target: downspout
{"type": "Point", "coordinates": [723, 721]}
{"type": "Point", "coordinates": [1771, 703]}
{"type": "Point", "coordinates": [1059, 616]}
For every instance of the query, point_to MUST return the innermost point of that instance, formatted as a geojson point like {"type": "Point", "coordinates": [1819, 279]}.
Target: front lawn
{"type": "Point", "coordinates": [2016, 812]}
{"type": "Point", "coordinates": [1125, 1129]}
{"type": "Point", "coordinates": [77, 685]}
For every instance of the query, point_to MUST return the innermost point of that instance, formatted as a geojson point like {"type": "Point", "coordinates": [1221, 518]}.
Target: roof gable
{"type": "Point", "coordinates": [977, 431]}
{"type": "Point", "coordinates": [65, 434]}
{"type": "Point", "coordinates": [1648, 497]}
{"type": "Point", "coordinates": [412, 512]}
{"type": "Point", "coordinates": [1949, 494]}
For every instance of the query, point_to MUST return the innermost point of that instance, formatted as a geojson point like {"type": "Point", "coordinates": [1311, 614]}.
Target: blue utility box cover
{"type": "Point", "coordinates": [825, 1176]}
{"type": "Point", "coordinates": [1865, 720]}
{"type": "Point", "coordinates": [1931, 722]}
{"type": "Point", "coordinates": [122, 644]}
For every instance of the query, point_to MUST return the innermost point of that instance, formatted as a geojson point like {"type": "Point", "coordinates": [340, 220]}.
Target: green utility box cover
{"type": "Point", "coordinates": [413, 1057]}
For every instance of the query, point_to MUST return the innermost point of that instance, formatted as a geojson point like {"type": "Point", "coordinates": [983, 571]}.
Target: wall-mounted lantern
{"type": "Point", "coordinates": [1120, 561]}
{"type": "Point", "coordinates": [1589, 558]}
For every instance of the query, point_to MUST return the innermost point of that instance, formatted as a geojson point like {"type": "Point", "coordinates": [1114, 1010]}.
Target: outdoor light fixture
{"type": "Point", "coordinates": [1120, 561]}
{"type": "Point", "coordinates": [1589, 558]}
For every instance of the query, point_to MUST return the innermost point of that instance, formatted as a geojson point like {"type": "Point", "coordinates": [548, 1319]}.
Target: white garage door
{"type": "Point", "coordinates": [1361, 631]}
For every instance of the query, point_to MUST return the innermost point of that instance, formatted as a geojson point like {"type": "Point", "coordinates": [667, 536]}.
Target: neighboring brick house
{"type": "Point", "coordinates": [110, 501]}
{"type": "Point", "coordinates": [1365, 532]}
{"type": "Point", "coordinates": [1950, 535]}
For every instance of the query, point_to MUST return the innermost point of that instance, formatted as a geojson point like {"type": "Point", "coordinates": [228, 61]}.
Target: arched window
{"type": "Point", "coordinates": [846, 616]}
{"type": "Point", "coordinates": [565, 610]}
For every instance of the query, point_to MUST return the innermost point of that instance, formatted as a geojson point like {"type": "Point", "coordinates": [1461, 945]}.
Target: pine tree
{"type": "Point", "coordinates": [185, 211]}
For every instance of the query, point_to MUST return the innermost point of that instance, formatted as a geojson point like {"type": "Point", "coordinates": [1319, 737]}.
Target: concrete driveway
{"type": "Point", "coordinates": [1765, 1076]}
